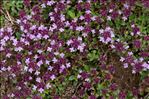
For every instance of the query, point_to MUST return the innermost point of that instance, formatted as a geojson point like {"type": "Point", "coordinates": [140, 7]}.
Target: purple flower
{"type": "Point", "coordinates": [26, 2]}
{"type": "Point", "coordinates": [92, 97]}
{"type": "Point", "coordinates": [146, 38]}
{"type": "Point", "coordinates": [122, 95]}
{"type": "Point", "coordinates": [135, 91]}
{"type": "Point", "coordinates": [104, 91]}
{"type": "Point", "coordinates": [113, 86]}
{"type": "Point", "coordinates": [145, 3]}
{"type": "Point", "coordinates": [36, 97]}
{"type": "Point", "coordinates": [137, 43]}
{"type": "Point", "coordinates": [87, 85]}
{"type": "Point", "coordinates": [119, 46]}
{"type": "Point", "coordinates": [79, 6]}
{"type": "Point", "coordinates": [144, 54]}
{"type": "Point", "coordinates": [81, 92]}
{"type": "Point", "coordinates": [87, 5]}
{"type": "Point", "coordinates": [84, 75]}
{"type": "Point", "coordinates": [22, 14]}
{"type": "Point", "coordinates": [87, 18]}
{"type": "Point", "coordinates": [56, 97]}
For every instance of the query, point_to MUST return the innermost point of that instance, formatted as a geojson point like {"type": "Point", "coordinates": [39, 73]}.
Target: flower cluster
{"type": "Point", "coordinates": [87, 44]}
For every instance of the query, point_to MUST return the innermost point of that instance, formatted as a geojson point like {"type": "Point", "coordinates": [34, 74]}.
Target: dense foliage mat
{"type": "Point", "coordinates": [74, 49]}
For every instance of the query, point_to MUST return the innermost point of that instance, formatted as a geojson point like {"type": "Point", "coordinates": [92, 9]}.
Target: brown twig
{"type": "Point", "coordinates": [7, 16]}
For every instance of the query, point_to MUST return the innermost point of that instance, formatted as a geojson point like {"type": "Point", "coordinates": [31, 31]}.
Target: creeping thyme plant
{"type": "Point", "coordinates": [74, 49]}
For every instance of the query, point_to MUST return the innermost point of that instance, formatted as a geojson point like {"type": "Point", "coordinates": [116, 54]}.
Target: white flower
{"type": "Point", "coordinates": [45, 36]}
{"type": "Point", "coordinates": [138, 32]}
{"type": "Point", "coordinates": [69, 42]}
{"type": "Point", "coordinates": [18, 21]}
{"type": "Point", "coordinates": [62, 17]}
{"type": "Point", "coordinates": [130, 53]}
{"type": "Point", "coordinates": [12, 95]}
{"type": "Point", "coordinates": [111, 10]}
{"type": "Point", "coordinates": [81, 17]}
{"type": "Point", "coordinates": [6, 38]}
{"type": "Point", "coordinates": [109, 18]}
{"type": "Point", "coordinates": [80, 48]}
{"type": "Point", "coordinates": [30, 70]}
{"type": "Point", "coordinates": [25, 68]}
{"type": "Point", "coordinates": [62, 67]}
{"type": "Point", "coordinates": [48, 85]}
{"type": "Point", "coordinates": [54, 60]}
{"type": "Point", "coordinates": [9, 68]}
{"type": "Point", "coordinates": [56, 53]}
{"type": "Point", "coordinates": [87, 11]}
{"type": "Point", "coordinates": [126, 6]}
{"type": "Point", "coordinates": [53, 77]}
{"type": "Point", "coordinates": [67, 24]}
{"type": "Point", "coordinates": [62, 55]}
{"type": "Point", "coordinates": [41, 90]}
{"type": "Point", "coordinates": [51, 2]}
{"type": "Point", "coordinates": [19, 88]}
{"type": "Point", "coordinates": [43, 5]}
{"type": "Point", "coordinates": [33, 27]}
{"type": "Point", "coordinates": [3, 42]}
{"type": "Point", "coordinates": [122, 59]}
{"type": "Point", "coordinates": [36, 56]}
{"type": "Point", "coordinates": [37, 73]}
{"type": "Point", "coordinates": [112, 46]}
{"type": "Point", "coordinates": [93, 18]}
{"type": "Point", "coordinates": [1, 48]}
{"type": "Point", "coordinates": [32, 36]}
{"type": "Point", "coordinates": [49, 49]}
{"type": "Point", "coordinates": [124, 18]}
{"type": "Point", "coordinates": [101, 31]}
{"type": "Point", "coordinates": [18, 49]}
{"type": "Point", "coordinates": [133, 71]}
{"type": "Point", "coordinates": [34, 87]}
{"type": "Point", "coordinates": [132, 25]}
{"type": "Point", "coordinates": [41, 27]}
{"type": "Point", "coordinates": [141, 59]}
{"type": "Point", "coordinates": [119, 12]}
{"type": "Point", "coordinates": [39, 36]}
{"type": "Point", "coordinates": [39, 63]}
{"type": "Point", "coordinates": [79, 28]}
{"type": "Point", "coordinates": [9, 29]}
{"type": "Point", "coordinates": [3, 69]}
{"type": "Point", "coordinates": [145, 65]}
{"type": "Point", "coordinates": [68, 65]}
{"type": "Point", "coordinates": [8, 55]}
{"type": "Point", "coordinates": [79, 76]}
{"type": "Point", "coordinates": [125, 65]}
{"type": "Point", "coordinates": [30, 78]}
{"type": "Point", "coordinates": [38, 80]}
{"type": "Point", "coordinates": [50, 68]}
{"type": "Point", "coordinates": [47, 62]}
{"type": "Point", "coordinates": [52, 42]}
{"type": "Point", "coordinates": [13, 75]}
{"type": "Point", "coordinates": [18, 62]}
{"type": "Point", "coordinates": [71, 49]}
{"type": "Point", "coordinates": [87, 79]}
{"type": "Point", "coordinates": [39, 51]}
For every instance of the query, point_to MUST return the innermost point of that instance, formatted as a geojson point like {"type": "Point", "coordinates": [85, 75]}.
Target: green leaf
{"type": "Point", "coordinates": [86, 67]}
{"type": "Point", "coordinates": [18, 35]}
{"type": "Point", "coordinates": [100, 86]}
{"type": "Point", "coordinates": [79, 14]}
{"type": "Point", "coordinates": [93, 55]}
{"type": "Point", "coordinates": [71, 78]}
{"type": "Point", "coordinates": [71, 13]}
